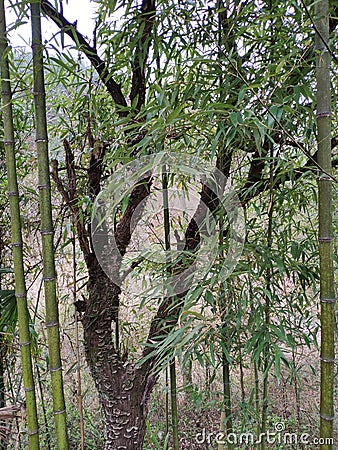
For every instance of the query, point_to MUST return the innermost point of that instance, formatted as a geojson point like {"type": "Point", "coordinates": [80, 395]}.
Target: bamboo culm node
{"type": "Point", "coordinates": [55, 369]}
{"type": "Point", "coordinates": [324, 177]}
{"type": "Point", "coordinates": [29, 389]}
{"type": "Point", "coordinates": [49, 278]}
{"type": "Point", "coordinates": [46, 232]}
{"type": "Point", "coordinates": [51, 324]}
{"type": "Point", "coordinates": [328, 418]}
{"type": "Point", "coordinates": [327, 360]}
{"type": "Point", "coordinates": [323, 114]}
{"type": "Point", "coordinates": [325, 239]}
{"type": "Point", "coordinates": [328, 300]}
{"type": "Point", "coordinates": [32, 433]}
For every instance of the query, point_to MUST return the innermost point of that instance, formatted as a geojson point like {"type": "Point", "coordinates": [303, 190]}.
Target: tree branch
{"type": "Point", "coordinates": [138, 88]}
{"type": "Point", "coordinates": [71, 198]}
{"type": "Point", "coordinates": [70, 29]}
{"type": "Point", "coordinates": [333, 19]}
{"type": "Point", "coordinates": [124, 229]}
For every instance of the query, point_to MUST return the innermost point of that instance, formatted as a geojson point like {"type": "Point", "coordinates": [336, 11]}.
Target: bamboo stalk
{"type": "Point", "coordinates": [226, 412]}
{"type": "Point", "coordinates": [172, 365]}
{"type": "Point", "coordinates": [3, 445]}
{"type": "Point", "coordinates": [20, 285]}
{"type": "Point", "coordinates": [225, 41]}
{"type": "Point", "coordinates": [267, 312]}
{"type": "Point", "coordinates": [13, 399]}
{"type": "Point", "coordinates": [167, 401]}
{"type": "Point", "coordinates": [226, 426]}
{"type": "Point", "coordinates": [47, 234]}
{"type": "Point", "coordinates": [257, 397]}
{"type": "Point", "coordinates": [43, 406]}
{"type": "Point", "coordinates": [327, 294]}
{"type": "Point", "coordinates": [77, 346]}
{"type": "Point", "coordinates": [174, 408]}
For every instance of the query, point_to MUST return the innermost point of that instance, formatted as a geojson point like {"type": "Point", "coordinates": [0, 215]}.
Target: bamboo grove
{"type": "Point", "coordinates": [169, 190]}
{"type": "Point", "coordinates": [20, 284]}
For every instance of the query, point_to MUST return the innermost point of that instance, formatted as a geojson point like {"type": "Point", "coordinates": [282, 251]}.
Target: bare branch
{"type": "Point", "coordinates": [70, 197]}
{"type": "Point", "coordinates": [333, 20]}
{"type": "Point", "coordinates": [60, 187]}
{"type": "Point", "coordinates": [138, 88]}
{"type": "Point", "coordinates": [70, 29]}
{"type": "Point", "coordinates": [124, 228]}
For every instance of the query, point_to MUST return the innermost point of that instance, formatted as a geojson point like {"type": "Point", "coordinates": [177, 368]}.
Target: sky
{"type": "Point", "coordinates": [81, 10]}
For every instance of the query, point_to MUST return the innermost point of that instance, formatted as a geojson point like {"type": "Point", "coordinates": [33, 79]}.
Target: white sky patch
{"type": "Point", "coordinates": [82, 11]}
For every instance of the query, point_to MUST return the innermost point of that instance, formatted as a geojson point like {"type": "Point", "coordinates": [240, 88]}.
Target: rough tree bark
{"type": "Point", "coordinates": [124, 390]}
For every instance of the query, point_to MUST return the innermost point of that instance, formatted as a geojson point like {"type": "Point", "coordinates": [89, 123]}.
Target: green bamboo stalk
{"type": "Point", "coordinates": [167, 401]}
{"type": "Point", "coordinates": [327, 292]}
{"type": "Point", "coordinates": [257, 396]}
{"type": "Point", "coordinates": [174, 409]}
{"type": "Point", "coordinates": [172, 365]}
{"type": "Point", "coordinates": [43, 407]}
{"type": "Point", "coordinates": [267, 312]}
{"type": "Point", "coordinates": [226, 412]}
{"type": "Point", "coordinates": [3, 445]}
{"type": "Point", "coordinates": [47, 234]}
{"type": "Point", "coordinates": [225, 41]}
{"type": "Point", "coordinates": [227, 397]}
{"type": "Point", "coordinates": [20, 285]}
{"type": "Point", "coordinates": [77, 345]}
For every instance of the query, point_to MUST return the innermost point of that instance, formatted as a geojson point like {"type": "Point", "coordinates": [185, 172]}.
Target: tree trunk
{"type": "Point", "coordinates": [123, 389]}
{"type": "Point", "coordinates": [123, 392]}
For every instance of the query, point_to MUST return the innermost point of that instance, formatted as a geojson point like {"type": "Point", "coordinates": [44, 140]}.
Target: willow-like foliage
{"type": "Point", "coordinates": [49, 274]}
{"type": "Point", "coordinates": [13, 193]}
{"type": "Point", "coordinates": [327, 294]}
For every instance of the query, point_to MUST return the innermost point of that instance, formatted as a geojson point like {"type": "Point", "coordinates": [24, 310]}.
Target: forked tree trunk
{"type": "Point", "coordinates": [124, 388]}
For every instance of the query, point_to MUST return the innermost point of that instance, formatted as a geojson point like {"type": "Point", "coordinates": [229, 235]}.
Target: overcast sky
{"type": "Point", "coordinates": [81, 10]}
